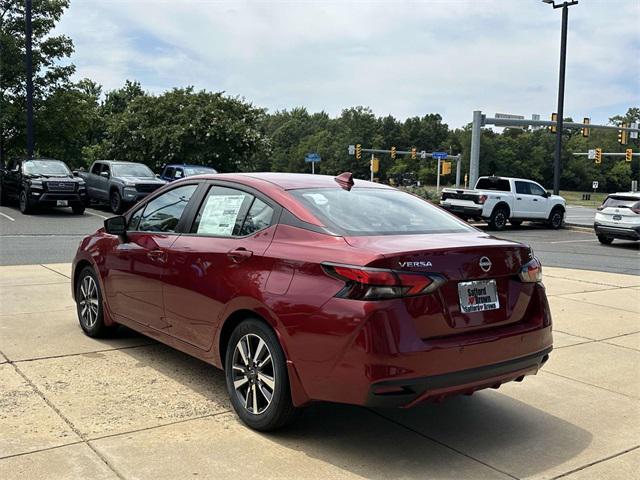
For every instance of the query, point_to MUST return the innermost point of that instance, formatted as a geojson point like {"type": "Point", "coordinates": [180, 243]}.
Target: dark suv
{"type": "Point", "coordinates": [44, 182]}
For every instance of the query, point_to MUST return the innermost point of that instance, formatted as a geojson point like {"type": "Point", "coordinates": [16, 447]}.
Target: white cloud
{"type": "Point", "coordinates": [402, 58]}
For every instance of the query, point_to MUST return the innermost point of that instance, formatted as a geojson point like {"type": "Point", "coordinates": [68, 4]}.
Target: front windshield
{"type": "Point", "coordinates": [46, 168]}
{"type": "Point", "coordinates": [131, 170]}
{"type": "Point", "coordinates": [377, 211]}
{"type": "Point", "coordinates": [189, 171]}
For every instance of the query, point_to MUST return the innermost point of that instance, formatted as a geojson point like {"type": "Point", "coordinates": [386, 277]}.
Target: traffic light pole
{"type": "Point", "coordinates": [557, 165]}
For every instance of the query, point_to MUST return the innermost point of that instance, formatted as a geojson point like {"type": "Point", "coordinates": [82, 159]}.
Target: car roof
{"type": "Point", "coordinates": [112, 162]}
{"type": "Point", "coordinates": [275, 186]}
{"type": "Point", "coordinates": [625, 194]}
{"type": "Point", "coordinates": [293, 181]}
{"type": "Point", "coordinates": [187, 165]}
{"type": "Point", "coordinates": [497, 177]}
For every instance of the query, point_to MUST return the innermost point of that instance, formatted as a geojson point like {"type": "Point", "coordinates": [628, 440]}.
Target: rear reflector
{"type": "Point", "coordinates": [362, 283]}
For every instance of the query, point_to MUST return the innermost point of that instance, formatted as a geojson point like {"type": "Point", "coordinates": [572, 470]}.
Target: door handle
{"type": "Point", "coordinates": [239, 254]}
{"type": "Point", "coordinates": [535, 199]}
{"type": "Point", "coordinates": [157, 256]}
{"type": "Point", "coordinates": [518, 198]}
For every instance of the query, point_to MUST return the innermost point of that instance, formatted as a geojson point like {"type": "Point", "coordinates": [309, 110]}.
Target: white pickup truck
{"type": "Point", "coordinates": [501, 199]}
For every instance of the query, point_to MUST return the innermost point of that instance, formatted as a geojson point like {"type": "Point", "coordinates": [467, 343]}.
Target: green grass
{"type": "Point", "coordinates": [575, 198]}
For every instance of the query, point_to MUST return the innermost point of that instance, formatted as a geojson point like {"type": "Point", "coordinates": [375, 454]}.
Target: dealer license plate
{"type": "Point", "coordinates": [62, 203]}
{"type": "Point", "coordinates": [478, 296]}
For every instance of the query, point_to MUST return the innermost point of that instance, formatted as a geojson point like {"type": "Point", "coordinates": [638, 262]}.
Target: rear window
{"type": "Point", "coordinates": [493, 183]}
{"type": "Point", "coordinates": [621, 202]}
{"type": "Point", "coordinates": [373, 211]}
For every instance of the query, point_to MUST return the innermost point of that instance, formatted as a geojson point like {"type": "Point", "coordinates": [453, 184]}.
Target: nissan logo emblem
{"type": "Point", "coordinates": [485, 264]}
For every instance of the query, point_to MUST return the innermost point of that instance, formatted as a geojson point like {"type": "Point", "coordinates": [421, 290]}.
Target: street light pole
{"type": "Point", "coordinates": [557, 167]}
{"type": "Point", "coordinates": [29, 73]}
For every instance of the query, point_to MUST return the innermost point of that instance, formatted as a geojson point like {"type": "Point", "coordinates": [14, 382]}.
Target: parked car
{"type": "Point", "coordinates": [501, 199]}
{"type": "Point", "coordinates": [119, 184]}
{"type": "Point", "coordinates": [618, 217]}
{"type": "Point", "coordinates": [176, 171]}
{"type": "Point", "coordinates": [313, 288]}
{"type": "Point", "coordinates": [42, 182]}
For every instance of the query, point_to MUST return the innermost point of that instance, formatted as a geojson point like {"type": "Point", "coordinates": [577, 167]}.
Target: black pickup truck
{"type": "Point", "coordinates": [43, 182]}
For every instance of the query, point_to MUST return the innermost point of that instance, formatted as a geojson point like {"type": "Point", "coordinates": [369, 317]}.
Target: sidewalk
{"type": "Point", "coordinates": [73, 407]}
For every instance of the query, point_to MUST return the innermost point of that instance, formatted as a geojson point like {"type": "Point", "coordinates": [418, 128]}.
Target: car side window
{"type": "Point", "coordinates": [163, 213]}
{"type": "Point", "coordinates": [523, 188]}
{"type": "Point", "coordinates": [168, 172]}
{"type": "Point", "coordinates": [222, 212]}
{"type": "Point", "coordinates": [96, 168]}
{"type": "Point", "coordinates": [105, 168]}
{"type": "Point", "coordinates": [179, 173]}
{"type": "Point", "coordinates": [258, 218]}
{"type": "Point", "coordinates": [536, 189]}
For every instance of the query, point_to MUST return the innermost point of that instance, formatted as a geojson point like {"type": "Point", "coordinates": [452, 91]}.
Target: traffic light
{"type": "Point", "coordinates": [375, 165]}
{"type": "Point", "coordinates": [393, 153]}
{"type": "Point", "coordinates": [622, 135]}
{"type": "Point", "coordinates": [446, 168]}
{"type": "Point", "coordinates": [414, 153]}
{"type": "Point", "coordinates": [358, 151]}
{"type": "Point", "coordinates": [554, 118]}
{"type": "Point", "coordinates": [585, 130]}
{"type": "Point", "coordinates": [628, 154]}
{"type": "Point", "coordinates": [598, 156]}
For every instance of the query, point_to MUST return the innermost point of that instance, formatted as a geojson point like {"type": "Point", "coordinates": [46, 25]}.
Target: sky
{"type": "Point", "coordinates": [403, 58]}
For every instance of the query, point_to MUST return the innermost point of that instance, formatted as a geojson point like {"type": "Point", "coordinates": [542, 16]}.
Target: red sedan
{"type": "Point", "coordinates": [313, 288]}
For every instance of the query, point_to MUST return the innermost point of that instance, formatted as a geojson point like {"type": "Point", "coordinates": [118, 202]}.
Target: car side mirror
{"type": "Point", "coordinates": [116, 225]}
{"type": "Point", "coordinates": [76, 173]}
{"type": "Point", "coordinates": [157, 175]}
{"type": "Point", "coordinates": [104, 174]}
{"type": "Point", "coordinates": [546, 194]}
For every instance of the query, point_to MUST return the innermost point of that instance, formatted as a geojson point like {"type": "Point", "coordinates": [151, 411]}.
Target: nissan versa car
{"type": "Point", "coordinates": [311, 288]}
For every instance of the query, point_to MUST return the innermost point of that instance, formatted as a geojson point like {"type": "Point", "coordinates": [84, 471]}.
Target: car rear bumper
{"type": "Point", "coordinates": [628, 233]}
{"type": "Point", "coordinates": [467, 210]}
{"type": "Point", "coordinates": [387, 363]}
{"type": "Point", "coordinates": [406, 393]}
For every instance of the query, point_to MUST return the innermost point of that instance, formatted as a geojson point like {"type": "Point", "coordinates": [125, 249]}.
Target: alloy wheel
{"type": "Point", "coordinates": [253, 373]}
{"type": "Point", "coordinates": [89, 301]}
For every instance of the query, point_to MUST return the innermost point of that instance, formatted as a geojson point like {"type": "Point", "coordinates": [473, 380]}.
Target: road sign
{"type": "Point", "coordinates": [634, 135]}
{"type": "Point", "coordinates": [312, 157]}
{"type": "Point", "coordinates": [592, 154]}
{"type": "Point", "coordinates": [595, 185]}
{"type": "Point", "coordinates": [509, 116]}
{"type": "Point", "coordinates": [423, 155]}
{"type": "Point", "coordinates": [352, 149]}
{"type": "Point", "coordinates": [439, 155]}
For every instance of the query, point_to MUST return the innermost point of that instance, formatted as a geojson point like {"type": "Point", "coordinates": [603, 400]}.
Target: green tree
{"type": "Point", "coordinates": [49, 72]}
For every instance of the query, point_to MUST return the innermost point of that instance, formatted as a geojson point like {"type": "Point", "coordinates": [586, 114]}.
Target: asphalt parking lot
{"type": "Point", "coordinates": [52, 236]}
{"type": "Point", "coordinates": [129, 408]}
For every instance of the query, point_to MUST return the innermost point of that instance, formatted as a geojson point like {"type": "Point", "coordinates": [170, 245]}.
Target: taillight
{"type": "Point", "coordinates": [601, 207]}
{"type": "Point", "coordinates": [531, 272]}
{"type": "Point", "coordinates": [362, 283]}
{"type": "Point", "coordinates": [636, 210]}
{"type": "Point", "coordinates": [482, 199]}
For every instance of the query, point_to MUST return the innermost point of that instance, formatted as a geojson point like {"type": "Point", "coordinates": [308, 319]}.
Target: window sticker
{"type": "Point", "coordinates": [220, 214]}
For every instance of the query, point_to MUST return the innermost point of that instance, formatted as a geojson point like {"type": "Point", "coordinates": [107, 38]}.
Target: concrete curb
{"type": "Point", "coordinates": [577, 227]}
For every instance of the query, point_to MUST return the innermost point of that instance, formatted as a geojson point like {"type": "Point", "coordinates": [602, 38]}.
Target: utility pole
{"type": "Point", "coordinates": [557, 167]}
{"type": "Point", "coordinates": [29, 72]}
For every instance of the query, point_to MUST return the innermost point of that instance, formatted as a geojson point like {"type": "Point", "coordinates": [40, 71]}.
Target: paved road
{"type": "Point", "coordinates": [53, 237]}
{"type": "Point", "coordinates": [577, 215]}
{"type": "Point", "coordinates": [577, 249]}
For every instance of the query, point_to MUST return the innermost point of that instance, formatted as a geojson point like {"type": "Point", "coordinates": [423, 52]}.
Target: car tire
{"type": "Point", "coordinates": [257, 377]}
{"type": "Point", "coordinates": [556, 218]}
{"type": "Point", "coordinates": [498, 220]}
{"type": "Point", "coordinates": [603, 239]}
{"type": "Point", "coordinates": [25, 205]}
{"type": "Point", "coordinates": [516, 223]}
{"type": "Point", "coordinates": [115, 202]}
{"type": "Point", "coordinates": [78, 208]}
{"type": "Point", "coordinates": [89, 305]}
